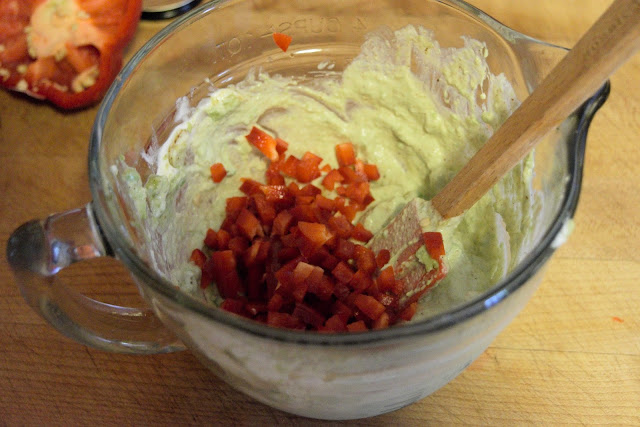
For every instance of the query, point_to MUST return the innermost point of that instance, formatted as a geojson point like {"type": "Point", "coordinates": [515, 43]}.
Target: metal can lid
{"type": "Point", "coordinates": [165, 9]}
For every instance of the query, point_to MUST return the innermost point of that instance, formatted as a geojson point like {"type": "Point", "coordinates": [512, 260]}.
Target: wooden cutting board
{"type": "Point", "coordinates": [572, 356]}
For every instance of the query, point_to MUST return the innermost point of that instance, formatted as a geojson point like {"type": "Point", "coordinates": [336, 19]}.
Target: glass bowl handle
{"type": "Point", "coordinates": [39, 249]}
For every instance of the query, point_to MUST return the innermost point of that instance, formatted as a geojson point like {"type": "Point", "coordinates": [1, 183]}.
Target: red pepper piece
{"type": "Point", "coordinates": [342, 272]}
{"type": "Point", "coordinates": [282, 40]}
{"type": "Point", "coordinates": [365, 259]}
{"type": "Point", "coordinates": [250, 186]}
{"type": "Point", "coordinates": [434, 244]}
{"type": "Point", "coordinates": [346, 154]}
{"type": "Point", "coordinates": [325, 203]}
{"type": "Point", "coordinates": [283, 320]}
{"type": "Point", "coordinates": [357, 326]}
{"type": "Point", "coordinates": [198, 257]}
{"type": "Point", "coordinates": [308, 315]}
{"type": "Point", "coordinates": [335, 324]}
{"type": "Point", "coordinates": [386, 280]}
{"type": "Point", "coordinates": [372, 172]}
{"type": "Point", "coordinates": [358, 192]}
{"type": "Point", "coordinates": [351, 176]}
{"type": "Point", "coordinates": [234, 205]}
{"type": "Point", "coordinates": [371, 307]}
{"type": "Point", "coordinates": [360, 233]}
{"type": "Point", "coordinates": [223, 238]}
{"type": "Point", "coordinates": [290, 166]}
{"type": "Point", "coordinates": [317, 233]}
{"type": "Point", "coordinates": [263, 142]}
{"type": "Point", "coordinates": [340, 226]}
{"type": "Point", "coordinates": [381, 322]}
{"type": "Point", "coordinates": [383, 257]}
{"type": "Point", "coordinates": [249, 224]}
{"type": "Point", "coordinates": [266, 210]}
{"type": "Point", "coordinates": [282, 222]}
{"type": "Point", "coordinates": [334, 176]}
{"type": "Point", "coordinates": [69, 58]}
{"type": "Point", "coordinates": [211, 239]}
{"type": "Point", "coordinates": [273, 175]}
{"type": "Point", "coordinates": [218, 172]}
{"type": "Point", "coordinates": [281, 146]}
{"type": "Point", "coordinates": [349, 211]}
{"type": "Point", "coordinates": [408, 313]}
{"type": "Point", "coordinates": [224, 268]}
{"type": "Point", "coordinates": [238, 245]}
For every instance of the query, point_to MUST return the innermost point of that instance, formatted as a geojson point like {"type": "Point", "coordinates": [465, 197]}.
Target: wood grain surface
{"type": "Point", "coordinates": [572, 356]}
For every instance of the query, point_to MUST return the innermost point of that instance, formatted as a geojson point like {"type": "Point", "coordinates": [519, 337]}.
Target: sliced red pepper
{"type": "Point", "coordinates": [282, 40]}
{"type": "Point", "coordinates": [68, 51]}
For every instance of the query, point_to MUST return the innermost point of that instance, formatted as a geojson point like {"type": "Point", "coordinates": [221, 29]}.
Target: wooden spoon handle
{"type": "Point", "coordinates": [613, 39]}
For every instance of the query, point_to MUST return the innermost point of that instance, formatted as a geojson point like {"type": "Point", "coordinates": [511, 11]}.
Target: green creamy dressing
{"type": "Point", "coordinates": [416, 110]}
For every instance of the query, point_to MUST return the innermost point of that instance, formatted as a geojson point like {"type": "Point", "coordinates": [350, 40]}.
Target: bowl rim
{"type": "Point", "coordinates": [120, 246]}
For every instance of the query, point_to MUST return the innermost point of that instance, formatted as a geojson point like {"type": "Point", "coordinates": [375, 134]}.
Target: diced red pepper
{"type": "Point", "coordinates": [360, 233]}
{"type": "Point", "coordinates": [334, 176]}
{"type": "Point", "coordinates": [335, 324]}
{"type": "Point", "coordinates": [317, 233]}
{"type": "Point", "coordinates": [218, 172]}
{"type": "Point", "coordinates": [308, 315]}
{"type": "Point", "coordinates": [358, 192]}
{"type": "Point", "coordinates": [349, 211]}
{"type": "Point", "coordinates": [345, 249]}
{"type": "Point", "coordinates": [234, 205]}
{"type": "Point", "coordinates": [273, 175]}
{"type": "Point", "coordinates": [342, 272]}
{"type": "Point", "coordinates": [198, 257]}
{"type": "Point", "coordinates": [290, 166]}
{"type": "Point", "coordinates": [357, 326]}
{"type": "Point", "coordinates": [226, 275]}
{"type": "Point", "coordinates": [361, 281]}
{"type": "Point", "coordinates": [371, 307]}
{"type": "Point", "coordinates": [282, 40]}
{"type": "Point", "coordinates": [274, 193]}
{"type": "Point", "coordinates": [346, 154]}
{"type": "Point", "coordinates": [283, 320]}
{"type": "Point", "coordinates": [408, 313]}
{"type": "Point", "coordinates": [383, 257]}
{"type": "Point", "coordinates": [365, 259]}
{"type": "Point", "coordinates": [211, 239]}
{"type": "Point", "coordinates": [386, 279]}
{"type": "Point", "coordinates": [250, 186]}
{"type": "Point", "coordinates": [275, 303]}
{"type": "Point", "coordinates": [249, 224]}
{"type": "Point", "coordinates": [281, 146]}
{"type": "Point", "coordinates": [372, 172]}
{"type": "Point", "coordinates": [340, 226]}
{"type": "Point", "coordinates": [309, 190]}
{"type": "Point", "coordinates": [381, 322]}
{"type": "Point", "coordinates": [266, 210]}
{"type": "Point", "coordinates": [263, 142]}
{"type": "Point", "coordinates": [233, 305]}
{"type": "Point", "coordinates": [238, 245]}
{"type": "Point", "coordinates": [434, 244]}
{"type": "Point", "coordinates": [282, 222]}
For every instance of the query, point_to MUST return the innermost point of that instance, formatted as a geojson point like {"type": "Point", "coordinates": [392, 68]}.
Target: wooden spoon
{"type": "Point", "coordinates": [613, 39]}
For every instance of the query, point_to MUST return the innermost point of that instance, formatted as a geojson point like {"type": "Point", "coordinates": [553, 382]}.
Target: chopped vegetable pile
{"type": "Point", "coordinates": [288, 256]}
{"type": "Point", "coordinates": [65, 51]}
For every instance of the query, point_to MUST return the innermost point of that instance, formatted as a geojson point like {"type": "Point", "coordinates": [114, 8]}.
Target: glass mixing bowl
{"type": "Point", "coordinates": [330, 376]}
